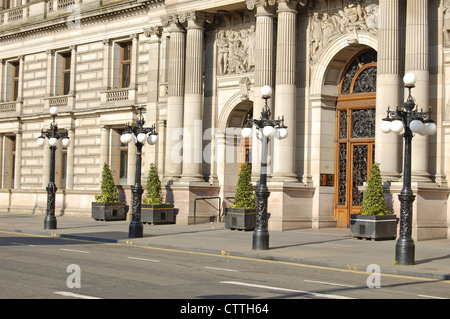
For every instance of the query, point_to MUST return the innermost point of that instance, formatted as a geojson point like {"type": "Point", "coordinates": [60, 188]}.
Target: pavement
{"type": "Point", "coordinates": [326, 247]}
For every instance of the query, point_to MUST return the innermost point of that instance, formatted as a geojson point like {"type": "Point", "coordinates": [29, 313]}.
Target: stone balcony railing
{"type": "Point", "coordinates": [10, 109]}
{"type": "Point", "coordinates": [118, 97]}
{"type": "Point", "coordinates": [64, 103]}
{"type": "Point", "coordinates": [54, 9]}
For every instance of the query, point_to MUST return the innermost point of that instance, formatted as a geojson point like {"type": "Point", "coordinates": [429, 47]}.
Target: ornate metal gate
{"type": "Point", "coordinates": [355, 135]}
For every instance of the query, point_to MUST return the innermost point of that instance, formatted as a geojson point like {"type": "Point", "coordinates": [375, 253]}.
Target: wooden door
{"type": "Point", "coordinates": [355, 134]}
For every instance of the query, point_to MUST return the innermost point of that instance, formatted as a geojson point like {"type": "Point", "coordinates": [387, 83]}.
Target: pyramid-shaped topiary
{"type": "Point", "coordinates": [109, 192]}
{"type": "Point", "coordinates": [374, 202]}
{"type": "Point", "coordinates": [245, 194]}
{"type": "Point", "coordinates": [153, 188]}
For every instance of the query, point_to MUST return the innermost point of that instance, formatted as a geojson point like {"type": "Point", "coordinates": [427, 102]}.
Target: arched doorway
{"type": "Point", "coordinates": [355, 134]}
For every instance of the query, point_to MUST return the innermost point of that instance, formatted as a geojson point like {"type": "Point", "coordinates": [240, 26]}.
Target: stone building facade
{"type": "Point", "coordinates": [197, 66]}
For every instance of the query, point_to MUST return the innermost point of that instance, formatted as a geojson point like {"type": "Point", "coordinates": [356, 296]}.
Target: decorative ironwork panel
{"type": "Point", "coordinates": [366, 81]}
{"type": "Point", "coordinates": [363, 123]}
{"type": "Point", "coordinates": [359, 172]}
{"type": "Point", "coordinates": [342, 174]}
{"type": "Point", "coordinates": [343, 124]}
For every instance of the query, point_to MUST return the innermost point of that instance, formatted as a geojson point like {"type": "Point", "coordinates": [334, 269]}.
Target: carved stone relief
{"type": "Point", "coordinates": [351, 19]}
{"type": "Point", "coordinates": [235, 51]}
{"type": "Point", "coordinates": [446, 27]}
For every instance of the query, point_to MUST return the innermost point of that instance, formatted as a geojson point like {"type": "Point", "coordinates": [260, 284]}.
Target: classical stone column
{"type": "Point", "coordinates": [18, 161]}
{"type": "Point", "coordinates": [175, 100]}
{"type": "Point", "coordinates": [285, 91]}
{"type": "Point", "coordinates": [416, 61]}
{"type": "Point", "coordinates": [193, 108]}
{"type": "Point", "coordinates": [388, 88]}
{"type": "Point", "coordinates": [264, 53]}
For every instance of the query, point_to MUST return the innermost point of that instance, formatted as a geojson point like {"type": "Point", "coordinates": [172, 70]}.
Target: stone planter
{"type": "Point", "coordinates": [373, 227]}
{"type": "Point", "coordinates": [241, 219]}
{"type": "Point", "coordinates": [158, 214]}
{"type": "Point", "coordinates": [108, 211]}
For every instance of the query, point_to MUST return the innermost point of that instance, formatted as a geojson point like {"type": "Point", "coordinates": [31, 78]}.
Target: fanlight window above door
{"type": "Point", "coordinates": [361, 75]}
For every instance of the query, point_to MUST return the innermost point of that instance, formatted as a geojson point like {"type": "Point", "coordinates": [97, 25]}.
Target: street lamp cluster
{"type": "Point", "coordinates": [53, 134]}
{"type": "Point", "coordinates": [141, 134]}
{"type": "Point", "coordinates": [407, 121]}
{"type": "Point", "coordinates": [266, 128]}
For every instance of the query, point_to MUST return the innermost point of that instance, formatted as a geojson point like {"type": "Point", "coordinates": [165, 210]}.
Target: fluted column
{"type": "Point", "coordinates": [192, 128]}
{"type": "Point", "coordinates": [284, 154]}
{"type": "Point", "coordinates": [175, 100]}
{"type": "Point", "coordinates": [388, 87]}
{"type": "Point", "coordinates": [264, 53]}
{"type": "Point", "coordinates": [416, 61]}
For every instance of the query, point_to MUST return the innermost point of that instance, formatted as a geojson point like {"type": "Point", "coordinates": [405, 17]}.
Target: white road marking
{"type": "Point", "coordinates": [21, 244]}
{"type": "Point", "coordinates": [329, 283]}
{"type": "Point", "coordinates": [76, 251]}
{"type": "Point", "coordinates": [224, 269]}
{"type": "Point", "coordinates": [71, 294]}
{"type": "Point", "coordinates": [433, 297]}
{"type": "Point", "coordinates": [330, 296]}
{"type": "Point", "coordinates": [145, 259]}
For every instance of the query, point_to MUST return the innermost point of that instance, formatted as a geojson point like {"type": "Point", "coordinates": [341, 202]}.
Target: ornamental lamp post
{"type": "Point", "coordinates": [266, 129]}
{"type": "Point", "coordinates": [407, 121]}
{"type": "Point", "coordinates": [53, 135]}
{"type": "Point", "coordinates": [136, 229]}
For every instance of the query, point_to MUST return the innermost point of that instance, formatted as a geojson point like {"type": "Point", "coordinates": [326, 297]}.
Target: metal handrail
{"type": "Point", "coordinates": [203, 198]}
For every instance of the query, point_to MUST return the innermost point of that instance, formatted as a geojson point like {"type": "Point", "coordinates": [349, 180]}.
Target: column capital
{"type": "Point", "coordinates": [287, 6]}
{"type": "Point", "coordinates": [156, 31]}
{"type": "Point", "coordinates": [195, 18]}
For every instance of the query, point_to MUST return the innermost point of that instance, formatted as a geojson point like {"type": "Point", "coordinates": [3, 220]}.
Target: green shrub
{"type": "Point", "coordinates": [374, 202]}
{"type": "Point", "coordinates": [245, 193]}
{"type": "Point", "coordinates": [153, 196]}
{"type": "Point", "coordinates": [109, 193]}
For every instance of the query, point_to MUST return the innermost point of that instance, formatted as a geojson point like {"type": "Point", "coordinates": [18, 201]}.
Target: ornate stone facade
{"type": "Point", "coordinates": [198, 67]}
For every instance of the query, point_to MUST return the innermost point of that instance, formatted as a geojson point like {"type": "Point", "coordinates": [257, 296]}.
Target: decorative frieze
{"type": "Point", "coordinates": [351, 19]}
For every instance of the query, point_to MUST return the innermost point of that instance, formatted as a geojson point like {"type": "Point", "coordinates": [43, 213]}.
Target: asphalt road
{"type": "Point", "coordinates": [39, 267]}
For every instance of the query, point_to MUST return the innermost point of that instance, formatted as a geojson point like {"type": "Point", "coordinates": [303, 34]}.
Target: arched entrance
{"type": "Point", "coordinates": [355, 134]}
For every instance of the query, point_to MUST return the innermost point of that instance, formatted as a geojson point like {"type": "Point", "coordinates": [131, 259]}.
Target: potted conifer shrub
{"type": "Point", "coordinates": [107, 205]}
{"type": "Point", "coordinates": [375, 221]}
{"type": "Point", "coordinates": [242, 215]}
{"type": "Point", "coordinates": [154, 210]}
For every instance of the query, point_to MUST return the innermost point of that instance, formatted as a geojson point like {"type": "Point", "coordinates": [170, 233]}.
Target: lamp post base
{"type": "Point", "coordinates": [136, 230]}
{"type": "Point", "coordinates": [260, 240]}
{"type": "Point", "coordinates": [50, 222]}
{"type": "Point", "coordinates": [405, 251]}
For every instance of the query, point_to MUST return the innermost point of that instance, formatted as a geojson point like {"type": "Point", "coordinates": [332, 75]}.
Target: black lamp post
{"type": "Point", "coordinates": [269, 128]}
{"type": "Point", "coordinates": [408, 120]}
{"type": "Point", "coordinates": [136, 229]}
{"type": "Point", "coordinates": [53, 135]}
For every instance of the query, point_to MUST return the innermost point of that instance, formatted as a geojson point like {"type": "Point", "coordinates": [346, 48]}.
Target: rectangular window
{"type": "Point", "coordinates": [125, 64]}
{"type": "Point", "coordinates": [123, 161]}
{"type": "Point", "coordinates": [13, 161]}
{"type": "Point", "coordinates": [15, 80]}
{"type": "Point", "coordinates": [66, 63]}
{"type": "Point", "coordinates": [63, 169]}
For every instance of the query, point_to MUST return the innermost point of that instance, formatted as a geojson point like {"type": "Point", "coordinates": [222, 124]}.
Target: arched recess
{"type": "Point", "coordinates": [320, 131]}
{"type": "Point", "coordinates": [355, 134]}
{"type": "Point", "coordinates": [231, 147]}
